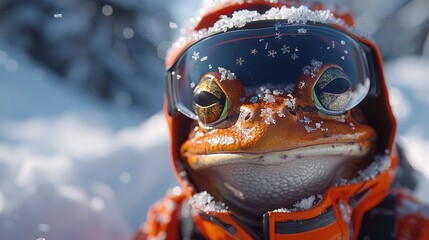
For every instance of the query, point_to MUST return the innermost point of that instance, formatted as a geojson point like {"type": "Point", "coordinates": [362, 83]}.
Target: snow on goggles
{"type": "Point", "coordinates": [273, 54]}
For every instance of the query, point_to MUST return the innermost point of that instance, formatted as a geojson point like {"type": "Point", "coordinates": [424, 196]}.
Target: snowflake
{"type": "Point", "coordinates": [290, 101]}
{"type": "Point", "coordinates": [352, 126]}
{"type": "Point", "coordinates": [192, 84]}
{"type": "Point", "coordinates": [342, 57]}
{"type": "Point", "coordinates": [346, 52]}
{"type": "Point", "coordinates": [312, 69]}
{"type": "Point", "coordinates": [254, 51]}
{"type": "Point", "coordinates": [266, 46]}
{"type": "Point", "coordinates": [268, 98]}
{"type": "Point", "coordinates": [294, 56]}
{"type": "Point", "coordinates": [285, 49]}
{"type": "Point", "coordinates": [195, 55]}
{"type": "Point", "coordinates": [226, 74]}
{"type": "Point", "coordinates": [254, 99]}
{"type": "Point", "coordinates": [302, 30]}
{"type": "Point", "coordinates": [305, 120]}
{"type": "Point", "coordinates": [178, 77]}
{"type": "Point", "coordinates": [279, 35]}
{"type": "Point", "coordinates": [301, 85]}
{"type": "Point", "coordinates": [333, 44]}
{"type": "Point", "coordinates": [243, 99]}
{"type": "Point", "coordinates": [239, 61]}
{"type": "Point", "coordinates": [203, 58]}
{"type": "Point", "coordinates": [309, 129]}
{"type": "Point", "coordinates": [268, 115]}
{"type": "Point", "coordinates": [343, 42]}
{"type": "Point", "coordinates": [271, 53]}
{"type": "Point", "coordinates": [296, 49]}
{"type": "Point", "coordinates": [277, 92]}
{"type": "Point", "coordinates": [210, 66]}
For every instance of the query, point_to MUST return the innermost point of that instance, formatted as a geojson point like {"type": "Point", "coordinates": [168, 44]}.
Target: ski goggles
{"type": "Point", "coordinates": [277, 54]}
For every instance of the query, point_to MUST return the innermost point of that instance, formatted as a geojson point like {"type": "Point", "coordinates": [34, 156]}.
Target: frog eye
{"type": "Point", "coordinates": [210, 102]}
{"type": "Point", "coordinates": [333, 91]}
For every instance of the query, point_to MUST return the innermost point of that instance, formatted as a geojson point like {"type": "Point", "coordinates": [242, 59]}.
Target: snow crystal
{"type": "Point", "coordinates": [205, 202]}
{"type": "Point", "coordinates": [306, 120]}
{"type": "Point", "coordinates": [268, 115]}
{"type": "Point", "coordinates": [192, 84]}
{"type": "Point", "coordinates": [58, 15]}
{"type": "Point", "coordinates": [178, 76]}
{"type": "Point", "coordinates": [343, 42]}
{"type": "Point", "coordinates": [239, 19]}
{"type": "Point", "coordinates": [302, 30]}
{"type": "Point", "coordinates": [268, 98]}
{"type": "Point", "coordinates": [226, 74]}
{"type": "Point", "coordinates": [195, 55]}
{"type": "Point", "coordinates": [352, 126]}
{"type": "Point", "coordinates": [290, 101]}
{"type": "Point", "coordinates": [278, 36]}
{"type": "Point", "coordinates": [239, 61]}
{"type": "Point", "coordinates": [277, 92]}
{"type": "Point", "coordinates": [285, 49]}
{"type": "Point", "coordinates": [272, 53]}
{"type": "Point", "coordinates": [294, 56]}
{"type": "Point", "coordinates": [305, 203]}
{"type": "Point", "coordinates": [204, 58]}
{"type": "Point", "coordinates": [301, 85]}
{"type": "Point", "coordinates": [312, 69]}
{"type": "Point", "coordinates": [309, 129]}
{"type": "Point", "coordinates": [254, 99]}
{"type": "Point", "coordinates": [172, 25]}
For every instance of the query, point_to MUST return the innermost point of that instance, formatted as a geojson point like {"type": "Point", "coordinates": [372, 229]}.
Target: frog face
{"type": "Point", "coordinates": [274, 146]}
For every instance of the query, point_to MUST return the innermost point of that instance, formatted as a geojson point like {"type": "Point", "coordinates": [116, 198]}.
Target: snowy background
{"type": "Point", "coordinates": [83, 145]}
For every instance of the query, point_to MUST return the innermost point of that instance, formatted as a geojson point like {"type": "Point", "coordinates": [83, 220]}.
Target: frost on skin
{"type": "Point", "coordinates": [267, 114]}
{"type": "Point", "coordinates": [205, 202]}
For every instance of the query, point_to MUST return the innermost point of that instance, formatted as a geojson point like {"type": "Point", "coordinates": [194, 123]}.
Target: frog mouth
{"type": "Point", "coordinates": [321, 151]}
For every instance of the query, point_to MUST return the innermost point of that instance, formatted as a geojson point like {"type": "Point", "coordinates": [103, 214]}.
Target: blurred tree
{"type": "Point", "coordinates": [108, 47]}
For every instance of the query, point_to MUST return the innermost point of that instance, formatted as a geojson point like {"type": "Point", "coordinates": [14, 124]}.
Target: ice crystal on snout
{"type": "Point", "coordinates": [267, 114]}
{"type": "Point", "coordinates": [290, 102]}
{"type": "Point", "coordinates": [205, 202]}
{"type": "Point", "coordinates": [268, 98]}
{"type": "Point", "coordinates": [306, 120]}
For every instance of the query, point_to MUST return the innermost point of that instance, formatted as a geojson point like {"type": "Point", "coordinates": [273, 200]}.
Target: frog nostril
{"type": "Point", "coordinates": [247, 116]}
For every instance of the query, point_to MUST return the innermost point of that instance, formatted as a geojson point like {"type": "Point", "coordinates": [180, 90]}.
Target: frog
{"type": "Point", "coordinates": [274, 147]}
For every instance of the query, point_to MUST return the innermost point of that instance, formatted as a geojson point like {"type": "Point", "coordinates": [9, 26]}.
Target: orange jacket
{"type": "Point", "coordinates": [398, 216]}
